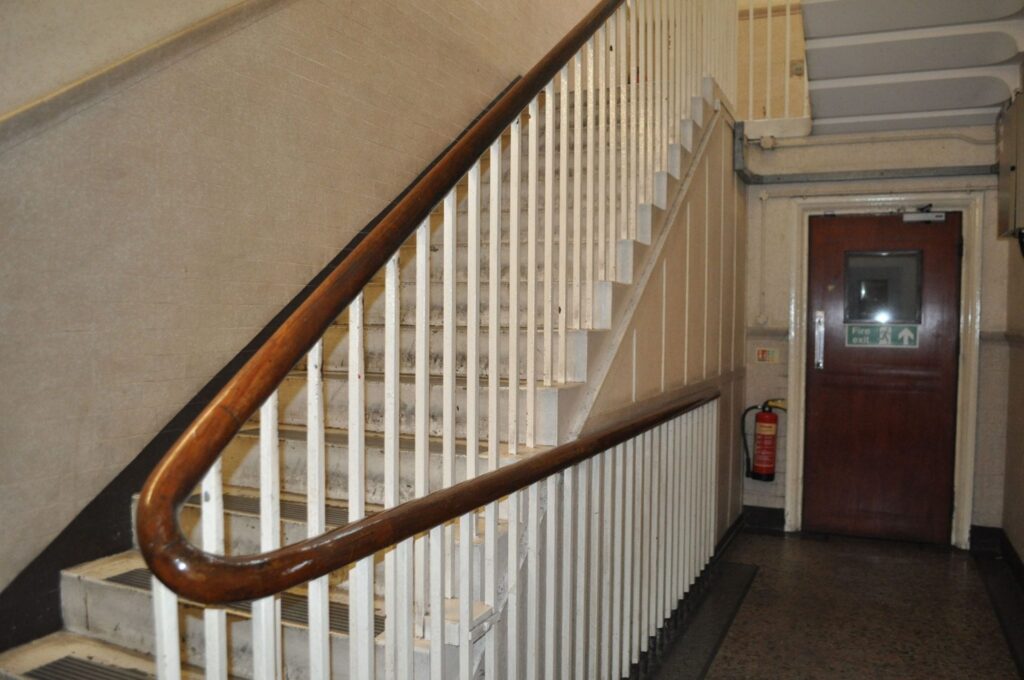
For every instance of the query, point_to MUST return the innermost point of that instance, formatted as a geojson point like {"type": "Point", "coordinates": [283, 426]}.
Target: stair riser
{"type": "Point", "coordinates": [123, 616]}
{"type": "Point", "coordinates": [336, 351]}
{"type": "Point", "coordinates": [292, 410]}
{"type": "Point", "coordinates": [241, 468]}
{"type": "Point", "coordinates": [374, 305]}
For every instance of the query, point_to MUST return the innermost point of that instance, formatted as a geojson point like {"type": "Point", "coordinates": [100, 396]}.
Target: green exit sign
{"type": "Point", "coordinates": [898, 336]}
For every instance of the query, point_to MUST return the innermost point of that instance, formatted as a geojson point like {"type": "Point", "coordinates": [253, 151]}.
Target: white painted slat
{"type": "Point", "coordinates": [533, 574]}
{"type": "Point", "coordinates": [316, 512]}
{"type": "Point", "coordinates": [642, 87]}
{"type": "Point", "coordinates": [595, 572]}
{"type": "Point", "coordinates": [266, 613]}
{"type": "Point", "coordinates": [622, 172]}
{"type": "Point", "coordinates": [532, 154]}
{"type": "Point", "coordinates": [693, 498]}
{"type": "Point", "coordinates": [493, 380]}
{"type": "Point", "coordinates": [789, 50]}
{"type": "Point", "coordinates": [563, 224]}
{"type": "Point", "coordinates": [619, 630]}
{"type": "Point", "coordinates": [515, 183]}
{"type": "Point", "coordinates": [653, 604]}
{"type": "Point", "coordinates": [614, 168]}
{"type": "Point", "coordinates": [549, 229]}
{"type": "Point", "coordinates": [577, 192]}
{"type": "Point", "coordinates": [421, 387]}
{"type": "Point", "coordinates": [647, 540]}
{"type": "Point", "coordinates": [634, 116]}
{"type": "Point", "coordinates": [552, 632]}
{"type": "Point", "coordinates": [448, 286]}
{"type": "Point", "coordinates": [466, 595]}
{"type": "Point", "coordinates": [512, 582]}
{"type": "Point", "coordinates": [361, 630]}
{"type": "Point", "coordinates": [215, 634]}
{"type": "Point", "coordinates": [750, 59]}
{"type": "Point", "coordinates": [391, 459]}
{"type": "Point", "coordinates": [438, 668]}
{"type": "Point", "coordinates": [568, 568]}
{"type": "Point", "coordinates": [587, 295]}
{"type": "Point", "coordinates": [582, 568]}
{"type": "Point", "coordinates": [658, 74]}
{"type": "Point", "coordinates": [605, 521]}
{"type": "Point", "coordinates": [601, 270]}
{"type": "Point", "coordinates": [769, 66]}
{"type": "Point", "coordinates": [168, 645]}
{"type": "Point", "coordinates": [631, 572]}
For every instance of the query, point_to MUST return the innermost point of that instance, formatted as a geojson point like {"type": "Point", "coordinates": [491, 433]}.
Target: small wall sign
{"type": "Point", "coordinates": [888, 336]}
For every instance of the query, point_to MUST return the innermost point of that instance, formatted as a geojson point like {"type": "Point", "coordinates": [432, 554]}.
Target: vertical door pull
{"type": "Point", "coordinates": [819, 340]}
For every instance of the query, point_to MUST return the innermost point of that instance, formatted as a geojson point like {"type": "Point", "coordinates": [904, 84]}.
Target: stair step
{"type": "Point", "coordinates": [294, 607]}
{"type": "Point", "coordinates": [241, 462]}
{"type": "Point", "coordinates": [68, 656]}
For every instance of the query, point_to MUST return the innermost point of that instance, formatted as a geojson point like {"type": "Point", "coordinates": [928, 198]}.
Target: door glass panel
{"type": "Point", "coordinates": [883, 287]}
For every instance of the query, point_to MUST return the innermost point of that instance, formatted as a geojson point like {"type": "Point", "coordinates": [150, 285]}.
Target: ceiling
{"type": "Point", "coordinates": [911, 64]}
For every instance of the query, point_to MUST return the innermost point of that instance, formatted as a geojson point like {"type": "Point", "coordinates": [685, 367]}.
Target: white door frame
{"type": "Point", "coordinates": [971, 204]}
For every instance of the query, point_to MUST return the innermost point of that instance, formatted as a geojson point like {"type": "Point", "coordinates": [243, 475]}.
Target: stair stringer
{"type": "Point", "coordinates": [605, 348]}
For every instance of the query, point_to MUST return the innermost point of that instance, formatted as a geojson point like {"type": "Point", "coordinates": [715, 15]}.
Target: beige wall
{"type": "Point", "coordinates": [687, 328]}
{"type": "Point", "coordinates": [150, 235]}
{"type": "Point", "coordinates": [773, 232]}
{"type": "Point", "coordinates": [1013, 508]}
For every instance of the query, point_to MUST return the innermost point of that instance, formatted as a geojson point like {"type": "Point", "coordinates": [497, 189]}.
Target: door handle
{"type": "Point", "coordinates": [819, 339]}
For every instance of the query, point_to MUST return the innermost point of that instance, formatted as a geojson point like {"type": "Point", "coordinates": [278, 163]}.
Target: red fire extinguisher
{"type": "Point", "coordinates": [766, 436]}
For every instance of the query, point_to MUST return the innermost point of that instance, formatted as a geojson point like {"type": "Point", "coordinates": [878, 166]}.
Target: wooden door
{"type": "Point", "coordinates": [882, 354]}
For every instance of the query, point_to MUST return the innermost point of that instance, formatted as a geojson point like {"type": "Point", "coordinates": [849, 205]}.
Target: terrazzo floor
{"type": "Point", "coordinates": [850, 608]}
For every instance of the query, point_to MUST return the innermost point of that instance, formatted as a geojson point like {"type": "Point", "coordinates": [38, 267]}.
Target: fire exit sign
{"type": "Point", "coordinates": [898, 336]}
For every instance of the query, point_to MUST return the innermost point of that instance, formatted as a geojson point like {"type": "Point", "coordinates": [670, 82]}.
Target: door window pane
{"type": "Point", "coordinates": [883, 287]}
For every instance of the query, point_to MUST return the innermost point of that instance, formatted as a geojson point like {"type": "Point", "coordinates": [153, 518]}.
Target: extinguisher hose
{"type": "Point", "coordinates": [743, 436]}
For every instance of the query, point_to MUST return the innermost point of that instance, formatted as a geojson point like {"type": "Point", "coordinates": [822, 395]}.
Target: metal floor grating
{"type": "Point", "coordinates": [290, 510]}
{"type": "Point", "coordinates": [77, 668]}
{"type": "Point", "coordinates": [294, 608]}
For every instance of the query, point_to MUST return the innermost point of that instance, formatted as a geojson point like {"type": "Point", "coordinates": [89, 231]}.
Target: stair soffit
{"type": "Point", "coordinates": [880, 65]}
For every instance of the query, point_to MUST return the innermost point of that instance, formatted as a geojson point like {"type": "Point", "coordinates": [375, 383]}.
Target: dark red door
{"type": "Point", "coordinates": [883, 330]}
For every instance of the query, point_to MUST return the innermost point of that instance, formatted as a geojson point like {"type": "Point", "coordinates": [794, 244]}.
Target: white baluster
{"type": "Point", "coordinates": [563, 224]}
{"type": "Point", "coordinates": [394, 635]}
{"type": "Point", "coordinates": [422, 424]}
{"type": "Point", "coordinates": [449, 286]}
{"type": "Point", "coordinates": [215, 633]}
{"type": "Point", "coordinates": [552, 637]}
{"type": "Point", "coordinates": [531, 275]}
{"type": "Point", "coordinates": [587, 295]}
{"type": "Point", "coordinates": [631, 574]}
{"type": "Point", "coordinates": [614, 168]}
{"type": "Point", "coordinates": [601, 270]}
{"type": "Point", "coordinates": [361, 629]}
{"type": "Point", "coordinates": [533, 574]}
{"type": "Point", "coordinates": [634, 115]}
{"type": "Point", "coordinates": [266, 612]}
{"type": "Point", "coordinates": [582, 567]}
{"type": "Point", "coordinates": [512, 581]}
{"type": "Point", "coordinates": [167, 640]}
{"type": "Point", "coordinates": [606, 522]}
{"type": "Point", "coordinates": [438, 668]}
{"type": "Point", "coordinates": [515, 185]}
{"type": "Point", "coordinates": [789, 50]}
{"type": "Point", "coordinates": [549, 229]}
{"type": "Point", "coordinates": [594, 574]}
{"type": "Point", "coordinates": [577, 193]}
{"type": "Point", "coordinates": [768, 59]}
{"type": "Point", "coordinates": [568, 568]}
{"type": "Point", "coordinates": [493, 380]}
{"type": "Point", "coordinates": [316, 512]}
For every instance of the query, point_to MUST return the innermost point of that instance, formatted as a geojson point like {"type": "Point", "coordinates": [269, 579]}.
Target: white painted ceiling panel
{"type": "Point", "coordinates": [911, 64]}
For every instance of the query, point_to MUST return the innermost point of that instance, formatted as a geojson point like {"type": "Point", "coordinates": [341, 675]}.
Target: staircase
{"type": "Point", "coordinates": [520, 412]}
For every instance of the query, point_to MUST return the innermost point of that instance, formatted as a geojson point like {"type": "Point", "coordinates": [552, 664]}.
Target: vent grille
{"type": "Point", "coordinates": [294, 608]}
{"type": "Point", "coordinates": [77, 668]}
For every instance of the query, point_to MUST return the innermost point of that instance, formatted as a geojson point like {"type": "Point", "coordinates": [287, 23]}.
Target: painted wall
{"type": "Point", "coordinates": [151, 234]}
{"type": "Point", "coordinates": [1013, 508]}
{"type": "Point", "coordinates": [686, 329]}
{"type": "Point", "coordinates": [774, 226]}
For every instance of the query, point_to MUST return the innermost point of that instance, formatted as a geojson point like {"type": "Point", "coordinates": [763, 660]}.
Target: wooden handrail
{"type": "Point", "coordinates": [214, 579]}
{"type": "Point", "coordinates": [209, 578]}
